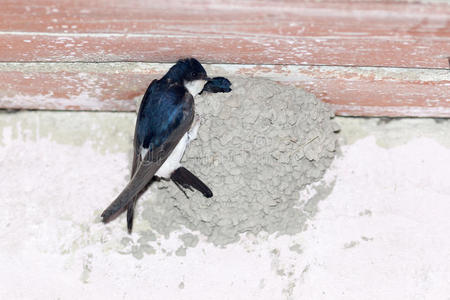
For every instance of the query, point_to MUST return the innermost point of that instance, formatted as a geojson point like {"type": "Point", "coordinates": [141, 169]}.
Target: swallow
{"type": "Point", "coordinates": [165, 125]}
{"type": "Point", "coordinates": [217, 85]}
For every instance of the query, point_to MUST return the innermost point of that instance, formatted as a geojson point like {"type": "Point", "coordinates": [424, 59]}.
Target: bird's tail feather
{"type": "Point", "coordinates": [186, 179]}
{"type": "Point", "coordinates": [140, 180]}
{"type": "Point", "coordinates": [131, 206]}
{"type": "Point", "coordinates": [130, 214]}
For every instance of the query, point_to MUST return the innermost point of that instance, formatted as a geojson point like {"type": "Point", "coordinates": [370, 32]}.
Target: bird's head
{"type": "Point", "coordinates": [190, 73]}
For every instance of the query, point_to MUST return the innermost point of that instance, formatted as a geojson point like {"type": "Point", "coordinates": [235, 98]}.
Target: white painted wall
{"type": "Point", "coordinates": [382, 233]}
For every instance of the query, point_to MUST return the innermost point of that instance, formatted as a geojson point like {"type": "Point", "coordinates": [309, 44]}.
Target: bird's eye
{"type": "Point", "coordinates": [194, 74]}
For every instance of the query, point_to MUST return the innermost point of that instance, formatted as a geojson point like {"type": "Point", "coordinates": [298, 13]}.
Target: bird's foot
{"type": "Point", "coordinates": [192, 134]}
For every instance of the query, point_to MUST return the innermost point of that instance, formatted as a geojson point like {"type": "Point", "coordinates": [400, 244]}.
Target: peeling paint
{"type": "Point", "coordinates": [116, 86]}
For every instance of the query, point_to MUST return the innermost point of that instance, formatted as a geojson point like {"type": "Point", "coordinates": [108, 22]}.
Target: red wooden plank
{"type": "Point", "coordinates": [228, 31]}
{"type": "Point", "coordinates": [224, 49]}
{"type": "Point", "coordinates": [285, 18]}
{"type": "Point", "coordinates": [112, 87]}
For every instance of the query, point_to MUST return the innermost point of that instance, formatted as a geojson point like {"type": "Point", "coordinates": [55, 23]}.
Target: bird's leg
{"type": "Point", "coordinates": [192, 134]}
{"type": "Point", "coordinates": [181, 188]}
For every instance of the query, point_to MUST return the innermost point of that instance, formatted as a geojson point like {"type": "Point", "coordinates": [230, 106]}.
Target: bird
{"type": "Point", "coordinates": [165, 124]}
{"type": "Point", "coordinates": [217, 85]}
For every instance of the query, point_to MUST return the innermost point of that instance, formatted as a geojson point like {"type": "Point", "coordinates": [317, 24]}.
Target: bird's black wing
{"type": "Point", "coordinates": [137, 154]}
{"type": "Point", "coordinates": [167, 115]}
{"type": "Point", "coordinates": [137, 150]}
{"type": "Point", "coordinates": [186, 179]}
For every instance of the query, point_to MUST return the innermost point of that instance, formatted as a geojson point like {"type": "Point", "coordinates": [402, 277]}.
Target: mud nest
{"type": "Point", "coordinates": [257, 147]}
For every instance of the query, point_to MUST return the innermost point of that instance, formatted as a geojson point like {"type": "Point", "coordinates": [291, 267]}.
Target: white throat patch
{"type": "Point", "coordinates": [194, 87]}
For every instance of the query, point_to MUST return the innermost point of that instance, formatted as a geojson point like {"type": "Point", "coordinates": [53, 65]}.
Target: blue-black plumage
{"type": "Point", "coordinates": [217, 85]}
{"type": "Point", "coordinates": [163, 129]}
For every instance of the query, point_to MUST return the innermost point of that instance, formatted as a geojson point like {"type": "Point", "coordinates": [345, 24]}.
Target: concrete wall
{"type": "Point", "coordinates": [380, 232]}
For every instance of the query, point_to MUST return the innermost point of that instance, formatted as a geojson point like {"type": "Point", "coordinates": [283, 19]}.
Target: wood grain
{"type": "Point", "coordinates": [366, 58]}
{"type": "Point", "coordinates": [388, 33]}
{"type": "Point", "coordinates": [115, 86]}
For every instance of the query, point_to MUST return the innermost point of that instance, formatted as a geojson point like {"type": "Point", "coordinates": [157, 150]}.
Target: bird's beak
{"type": "Point", "coordinates": [208, 78]}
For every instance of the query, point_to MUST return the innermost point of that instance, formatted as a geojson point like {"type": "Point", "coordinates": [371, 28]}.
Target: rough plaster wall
{"type": "Point", "coordinates": [257, 148]}
{"type": "Point", "coordinates": [384, 224]}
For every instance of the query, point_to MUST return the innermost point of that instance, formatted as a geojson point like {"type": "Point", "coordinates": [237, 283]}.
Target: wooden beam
{"type": "Point", "coordinates": [364, 91]}
{"type": "Point", "coordinates": [350, 33]}
{"type": "Point", "coordinates": [366, 58]}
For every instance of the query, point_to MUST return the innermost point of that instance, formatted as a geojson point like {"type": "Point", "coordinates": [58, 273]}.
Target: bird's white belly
{"type": "Point", "coordinates": [173, 161]}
